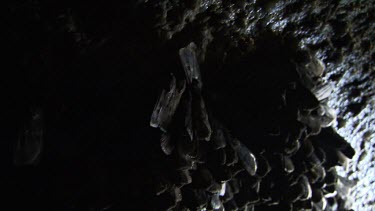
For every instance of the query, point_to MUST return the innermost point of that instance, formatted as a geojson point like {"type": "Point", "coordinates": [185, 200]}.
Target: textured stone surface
{"type": "Point", "coordinates": [340, 33]}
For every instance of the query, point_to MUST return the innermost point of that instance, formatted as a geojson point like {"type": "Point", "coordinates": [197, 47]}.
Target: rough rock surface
{"type": "Point", "coordinates": [341, 33]}
{"type": "Point", "coordinates": [74, 60]}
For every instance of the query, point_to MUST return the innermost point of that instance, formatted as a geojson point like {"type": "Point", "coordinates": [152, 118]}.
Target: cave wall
{"type": "Point", "coordinates": [69, 54]}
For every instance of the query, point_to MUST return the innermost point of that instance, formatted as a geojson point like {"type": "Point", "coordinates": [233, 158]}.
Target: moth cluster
{"type": "Point", "coordinates": [209, 168]}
